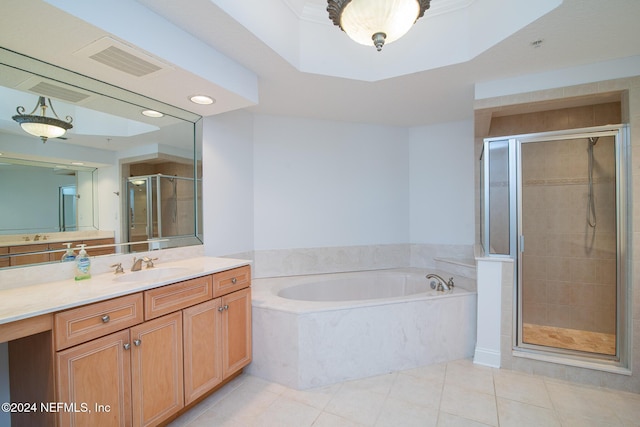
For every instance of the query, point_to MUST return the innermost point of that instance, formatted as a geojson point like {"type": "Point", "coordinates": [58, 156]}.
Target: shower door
{"type": "Point", "coordinates": [160, 208]}
{"type": "Point", "coordinates": [570, 235]}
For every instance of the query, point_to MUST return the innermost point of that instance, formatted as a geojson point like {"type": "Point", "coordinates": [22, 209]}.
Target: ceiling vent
{"type": "Point", "coordinates": [114, 54]}
{"type": "Point", "coordinates": [58, 92]}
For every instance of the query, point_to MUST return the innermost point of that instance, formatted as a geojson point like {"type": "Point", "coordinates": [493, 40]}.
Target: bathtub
{"type": "Point", "coordinates": [311, 331]}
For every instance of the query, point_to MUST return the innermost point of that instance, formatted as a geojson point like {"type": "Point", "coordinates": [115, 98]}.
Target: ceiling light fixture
{"type": "Point", "coordinates": [202, 99]}
{"type": "Point", "coordinates": [377, 21]}
{"type": "Point", "coordinates": [42, 126]}
{"type": "Point", "coordinates": [152, 113]}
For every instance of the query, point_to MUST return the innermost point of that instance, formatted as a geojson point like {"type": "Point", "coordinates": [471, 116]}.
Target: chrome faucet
{"type": "Point", "coordinates": [137, 263]}
{"type": "Point", "coordinates": [440, 285]}
{"type": "Point", "coordinates": [36, 237]}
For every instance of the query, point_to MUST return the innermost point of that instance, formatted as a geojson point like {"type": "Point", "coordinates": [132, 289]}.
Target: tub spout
{"type": "Point", "coordinates": [439, 283]}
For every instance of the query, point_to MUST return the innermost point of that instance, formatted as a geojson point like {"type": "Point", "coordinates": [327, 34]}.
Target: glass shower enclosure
{"type": "Point", "coordinates": [160, 207]}
{"type": "Point", "coordinates": [557, 203]}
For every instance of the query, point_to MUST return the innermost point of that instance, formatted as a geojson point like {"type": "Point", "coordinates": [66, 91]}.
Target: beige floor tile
{"type": "Point", "coordinates": [522, 388]}
{"type": "Point", "coordinates": [431, 372]}
{"type": "Point", "coordinates": [450, 420]}
{"type": "Point", "coordinates": [517, 414]}
{"type": "Point", "coordinates": [572, 401]}
{"type": "Point", "coordinates": [286, 412]}
{"type": "Point", "coordinates": [315, 397]}
{"type": "Point", "coordinates": [397, 412]}
{"type": "Point", "coordinates": [469, 404]}
{"type": "Point", "coordinates": [379, 384]}
{"type": "Point", "coordinates": [417, 391]}
{"type": "Point", "coordinates": [578, 421]}
{"type": "Point", "coordinates": [626, 406]}
{"type": "Point", "coordinates": [465, 374]}
{"type": "Point", "coordinates": [330, 420]}
{"type": "Point", "coordinates": [356, 404]}
{"type": "Point", "coordinates": [244, 402]}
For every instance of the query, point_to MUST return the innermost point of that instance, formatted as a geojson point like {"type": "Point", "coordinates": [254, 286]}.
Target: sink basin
{"type": "Point", "coordinates": [152, 274]}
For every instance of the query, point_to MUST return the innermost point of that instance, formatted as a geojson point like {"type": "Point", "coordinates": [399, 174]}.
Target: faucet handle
{"type": "Point", "coordinates": [118, 268]}
{"type": "Point", "coordinates": [450, 282]}
{"type": "Point", "coordinates": [149, 261]}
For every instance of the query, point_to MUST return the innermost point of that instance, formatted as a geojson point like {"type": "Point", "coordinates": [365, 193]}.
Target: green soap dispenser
{"type": "Point", "coordinates": [69, 255]}
{"type": "Point", "coordinates": [83, 264]}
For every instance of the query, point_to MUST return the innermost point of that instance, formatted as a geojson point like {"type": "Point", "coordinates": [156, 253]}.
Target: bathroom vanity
{"type": "Point", "coordinates": [131, 349]}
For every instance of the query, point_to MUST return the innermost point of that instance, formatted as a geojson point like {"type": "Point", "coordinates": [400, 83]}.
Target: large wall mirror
{"type": "Point", "coordinates": [125, 178]}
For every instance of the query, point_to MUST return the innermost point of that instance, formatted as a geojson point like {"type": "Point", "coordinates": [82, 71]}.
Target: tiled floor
{"type": "Point", "coordinates": [572, 339]}
{"type": "Point", "coordinates": [457, 393]}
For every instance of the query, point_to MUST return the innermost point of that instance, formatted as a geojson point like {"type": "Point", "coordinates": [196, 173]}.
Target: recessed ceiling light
{"type": "Point", "coordinates": [152, 113]}
{"type": "Point", "coordinates": [202, 99]}
{"type": "Point", "coordinates": [77, 163]}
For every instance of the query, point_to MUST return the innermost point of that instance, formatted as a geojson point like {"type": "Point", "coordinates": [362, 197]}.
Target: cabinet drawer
{"type": "Point", "coordinates": [82, 324]}
{"type": "Point", "coordinates": [231, 280]}
{"type": "Point", "coordinates": [170, 298]}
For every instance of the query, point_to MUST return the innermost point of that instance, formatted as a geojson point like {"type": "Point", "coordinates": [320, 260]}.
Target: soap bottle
{"type": "Point", "coordinates": [83, 264]}
{"type": "Point", "coordinates": [69, 255]}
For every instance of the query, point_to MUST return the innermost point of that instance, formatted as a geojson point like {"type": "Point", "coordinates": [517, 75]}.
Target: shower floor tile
{"type": "Point", "coordinates": [570, 339]}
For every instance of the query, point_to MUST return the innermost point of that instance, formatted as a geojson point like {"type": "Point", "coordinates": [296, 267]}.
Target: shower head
{"type": "Point", "coordinates": [593, 140]}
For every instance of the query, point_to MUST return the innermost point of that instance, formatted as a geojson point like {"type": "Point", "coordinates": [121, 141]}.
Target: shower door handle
{"type": "Point", "coordinates": [521, 243]}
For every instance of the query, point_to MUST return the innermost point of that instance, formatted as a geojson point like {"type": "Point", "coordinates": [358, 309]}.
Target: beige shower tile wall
{"type": "Point", "coordinates": [569, 274]}
{"type": "Point", "coordinates": [557, 119]}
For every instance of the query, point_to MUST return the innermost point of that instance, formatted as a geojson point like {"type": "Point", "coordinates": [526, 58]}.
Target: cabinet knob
{"type": "Point", "coordinates": [127, 346]}
{"type": "Point", "coordinates": [226, 307]}
{"type": "Point", "coordinates": [234, 280]}
{"type": "Point", "coordinates": [137, 342]}
{"type": "Point", "coordinates": [105, 318]}
{"type": "Point", "coordinates": [220, 309]}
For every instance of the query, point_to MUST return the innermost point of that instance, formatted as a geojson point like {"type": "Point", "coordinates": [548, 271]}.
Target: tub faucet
{"type": "Point", "coordinates": [440, 285]}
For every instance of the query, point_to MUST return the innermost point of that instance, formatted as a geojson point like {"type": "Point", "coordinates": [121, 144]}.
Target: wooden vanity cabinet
{"type": "Point", "coordinates": [157, 369]}
{"type": "Point", "coordinates": [186, 344]}
{"type": "Point", "coordinates": [97, 372]}
{"type": "Point", "coordinates": [132, 373]}
{"type": "Point", "coordinates": [217, 342]}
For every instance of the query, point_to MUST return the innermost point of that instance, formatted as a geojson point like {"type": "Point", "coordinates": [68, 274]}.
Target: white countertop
{"type": "Point", "coordinates": [30, 301]}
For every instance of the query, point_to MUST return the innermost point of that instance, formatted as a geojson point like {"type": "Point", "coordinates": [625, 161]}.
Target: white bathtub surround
{"type": "Point", "coordinates": [305, 344]}
{"type": "Point", "coordinates": [426, 255]}
{"type": "Point", "coordinates": [298, 261]}
{"type": "Point", "coordinates": [458, 259]}
{"type": "Point", "coordinates": [57, 271]}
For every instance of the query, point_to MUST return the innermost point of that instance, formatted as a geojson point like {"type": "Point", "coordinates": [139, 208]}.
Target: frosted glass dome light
{"type": "Point", "coordinates": [376, 21]}
{"type": "Point", "coordinates": [42, 126]}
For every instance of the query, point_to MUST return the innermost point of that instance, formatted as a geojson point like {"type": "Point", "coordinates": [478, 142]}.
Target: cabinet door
{"type": "Point", "coordinates": [156, 369]}
{"type": "Point", "coordinates": [202, 348]}
{"type": "Point", "coordinates": [236, 331]}
{"type": "Point", "coordinates": [94, 378]}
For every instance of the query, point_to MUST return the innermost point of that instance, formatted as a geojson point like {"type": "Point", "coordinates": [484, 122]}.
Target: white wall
{"type": "Point", "coordinates": [35, 191]}
{"type": "Point", "coordinates": [442, 184]}
{"type": "Point", "coordinates": [274, 182]}
{"type": "Point", "coordinates": [227, 155]}
{"type": "Point", "coordinates": [320, 183]}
